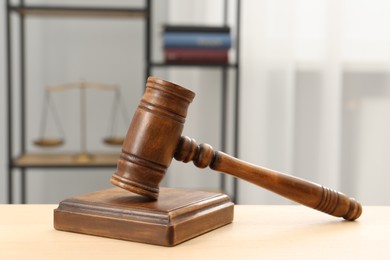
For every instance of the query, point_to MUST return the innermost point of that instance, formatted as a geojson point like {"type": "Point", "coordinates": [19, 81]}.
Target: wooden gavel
{"type": "Point", "coordinates": [154, 138]}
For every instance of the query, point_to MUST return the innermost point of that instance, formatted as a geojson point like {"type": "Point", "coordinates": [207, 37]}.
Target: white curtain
{"type": "Point", "coordinates": [314, 89]}
{"type": "Point", "coordinates": [315, 93]}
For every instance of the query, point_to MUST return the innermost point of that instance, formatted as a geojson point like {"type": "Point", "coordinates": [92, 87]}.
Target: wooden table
{"type": "Point", "coordinates": [257, 232]}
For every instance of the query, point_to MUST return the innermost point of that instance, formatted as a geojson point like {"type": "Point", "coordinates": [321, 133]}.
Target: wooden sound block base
{"type": "Point", "coordinates": [178, 215]}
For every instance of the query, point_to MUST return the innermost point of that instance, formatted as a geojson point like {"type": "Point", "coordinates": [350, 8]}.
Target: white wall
{"type": "Point", "coordinates": [68, 50]}
{"type": "Point", "coordinates": [284, 114]}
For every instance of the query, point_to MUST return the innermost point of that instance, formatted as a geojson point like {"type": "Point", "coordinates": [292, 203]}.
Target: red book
{"type": "Point", "coordinates": [195, 55]}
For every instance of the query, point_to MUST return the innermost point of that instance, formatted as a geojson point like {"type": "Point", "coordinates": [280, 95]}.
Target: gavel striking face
{"type": "Point", "coordinates": [154, 139]}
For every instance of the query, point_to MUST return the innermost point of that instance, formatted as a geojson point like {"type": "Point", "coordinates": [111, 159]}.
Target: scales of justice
{"type": "Point", "coordinates": [46, 140]}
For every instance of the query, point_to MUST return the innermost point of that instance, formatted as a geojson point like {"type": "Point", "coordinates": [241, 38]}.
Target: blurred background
{"type": "Point", "coordinates": [306, 91]}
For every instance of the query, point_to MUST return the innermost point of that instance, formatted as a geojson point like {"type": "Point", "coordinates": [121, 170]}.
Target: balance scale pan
{"type": "Point", "coordinates": [49, 142]}
{"type": "Point", "coordinates": [114, 140]}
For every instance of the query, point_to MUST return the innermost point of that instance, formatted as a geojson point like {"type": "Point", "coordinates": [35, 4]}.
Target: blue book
{"type": "Point", "coordinates": [197, 40]}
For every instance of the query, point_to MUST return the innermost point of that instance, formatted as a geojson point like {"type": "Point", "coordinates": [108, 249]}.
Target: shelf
{"type": "Point", "coordinates": [20, 9]}
{"type": "Point", "coordinates": [198, 64]}
{"type": "Point", "coordinates": [41, 160]}
{"type": "Point", "coordinates": [79, 11]}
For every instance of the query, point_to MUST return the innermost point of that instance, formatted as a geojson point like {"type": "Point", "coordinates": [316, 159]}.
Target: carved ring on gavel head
{"type": "Point", "coordinates": [154, 139]}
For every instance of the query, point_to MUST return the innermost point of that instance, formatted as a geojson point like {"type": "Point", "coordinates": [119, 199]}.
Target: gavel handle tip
{"type": "Point", "coordinates": [355, 210]}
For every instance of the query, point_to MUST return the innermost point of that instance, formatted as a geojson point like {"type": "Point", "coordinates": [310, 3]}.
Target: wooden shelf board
{"type": "Point", "coordinates": [78, 11]}
{"type": "Point", "coordinates": [65, 160]}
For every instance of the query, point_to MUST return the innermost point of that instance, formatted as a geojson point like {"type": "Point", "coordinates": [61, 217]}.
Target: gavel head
{"type": "Point", "coordinates": [152, 137]}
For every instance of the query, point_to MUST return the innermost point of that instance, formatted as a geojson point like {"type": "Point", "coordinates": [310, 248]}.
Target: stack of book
{"type": "Point", "coordinates": [196, 44]}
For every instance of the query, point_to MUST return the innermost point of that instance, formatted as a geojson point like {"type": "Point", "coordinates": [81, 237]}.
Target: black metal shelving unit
{"type": "Point", "coordinates": [225, 68]}
{"type": "Point", "coordinates": [23, 10]}
{"type": "Point", "coordinates": [23, 161]}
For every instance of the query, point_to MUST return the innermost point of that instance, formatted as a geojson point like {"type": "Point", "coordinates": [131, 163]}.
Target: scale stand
{"type": "Point", "coordinates": [178, 215]}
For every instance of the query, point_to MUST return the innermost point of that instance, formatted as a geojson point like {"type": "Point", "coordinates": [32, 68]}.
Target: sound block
{"type": "Point", "coordinates": [178, 215]}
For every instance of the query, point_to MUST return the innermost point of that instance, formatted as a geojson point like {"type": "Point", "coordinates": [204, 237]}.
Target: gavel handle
{"type": "Point", "coordinates": [301, 191]}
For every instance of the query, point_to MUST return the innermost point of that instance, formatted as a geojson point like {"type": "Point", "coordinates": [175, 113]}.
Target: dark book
{"type": "Point", "coordinates": [195, 56]}
{"type": "Point", "coordinates": [191, 28]}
